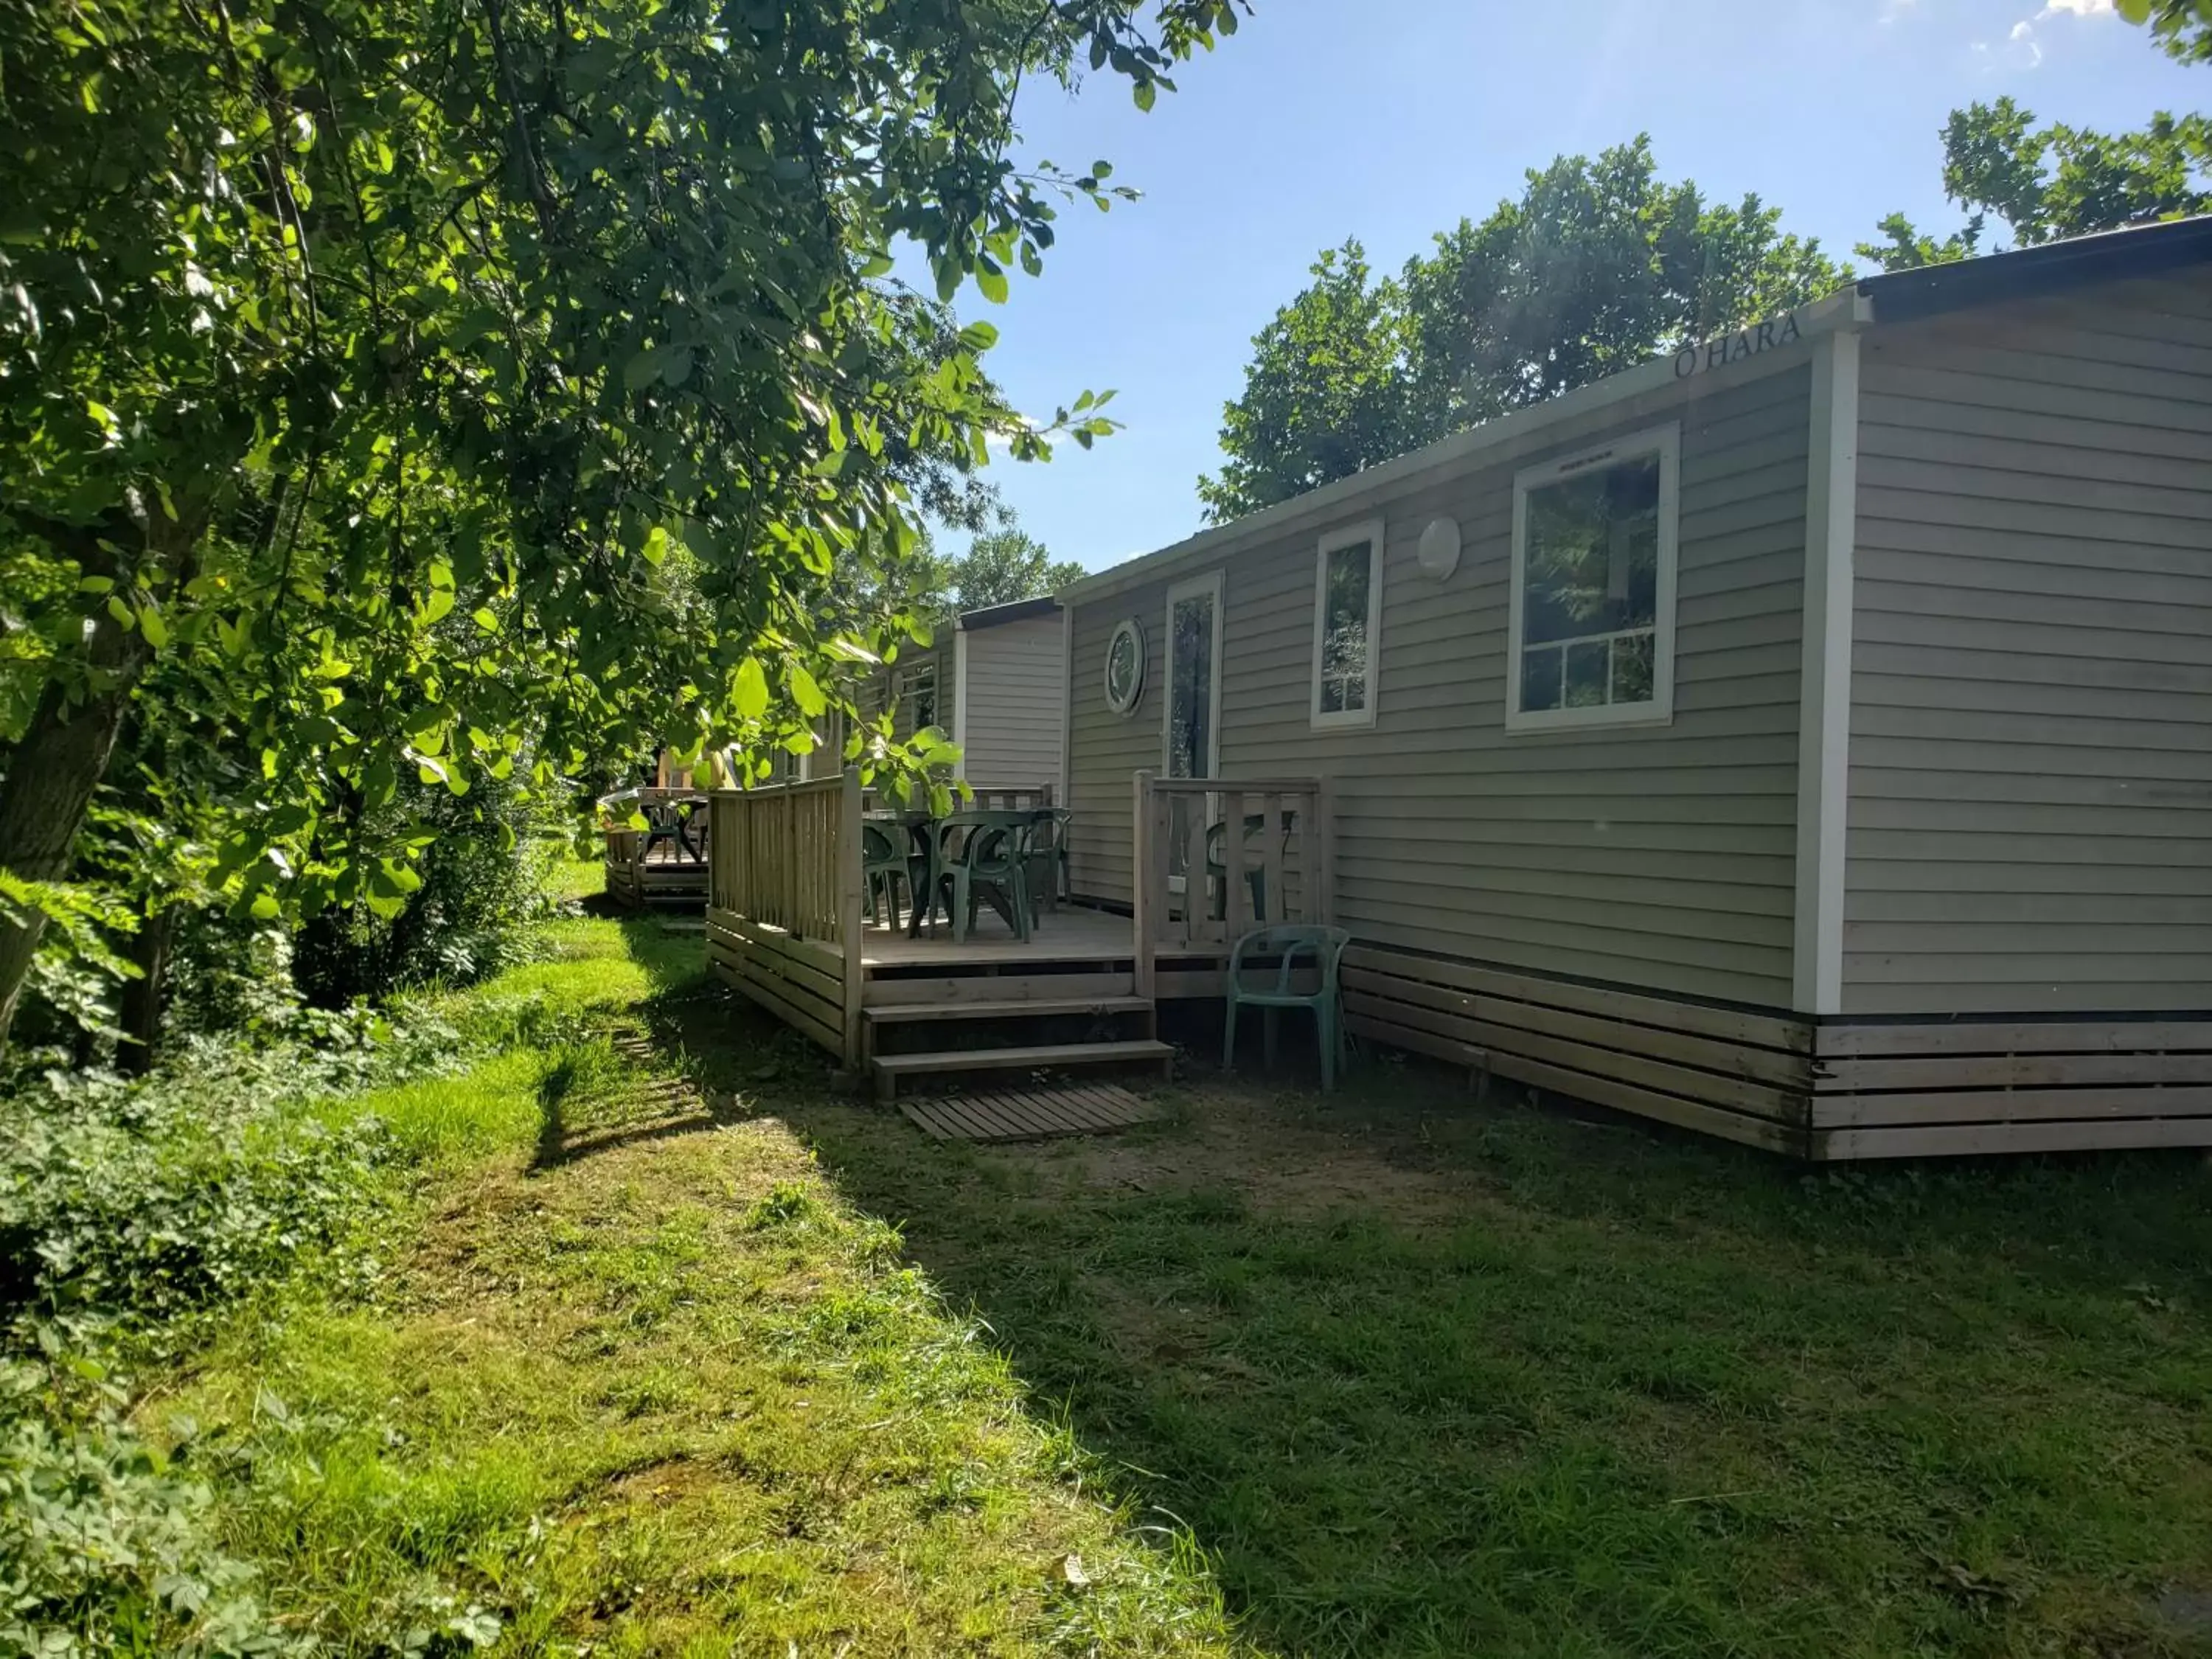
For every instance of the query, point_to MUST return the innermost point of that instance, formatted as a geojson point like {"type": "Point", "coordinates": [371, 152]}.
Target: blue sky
{"type": "Point", "coordinates": [1389, 119]}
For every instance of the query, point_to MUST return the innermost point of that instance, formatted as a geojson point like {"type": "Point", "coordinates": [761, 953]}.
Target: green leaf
{"type": "Point", "coordinates": [150, 622]}
{"type": "Point", "coordinates": [878, 264]}
{"type": "Point", "coordinates": [979, 337]}
{"type": "Point", "coordinates": [751, 691]}
{"type": "Point", "coordinates": [804, 692]}
{"type": "Point", "coordinates": [992, 282]}
{"type": "Point", "coordinates": [484, 618]}
{"type": "Point", "coordinates": [656, 544]}
{"type": "Point", "coordinates": [1145, 93]}
{"type": "Point", "coordinates": [642, 370]}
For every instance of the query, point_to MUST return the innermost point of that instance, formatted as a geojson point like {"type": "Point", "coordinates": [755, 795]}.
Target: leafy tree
{"type": "Point", "coordinates": [1907, 248]}
{"type": "Point", "coordinates": [2054, 181]}
{"type": "Point", "coordinates": [2183, 28]}
{"type": "Point", "coordinates": [1007, 564]}
{"type": "Point", "coordinates": [1598, 267]}
{"type": "Point", "coordinates": [1326, 391]}
{"type": "Point", "coordinates": [334, 334]}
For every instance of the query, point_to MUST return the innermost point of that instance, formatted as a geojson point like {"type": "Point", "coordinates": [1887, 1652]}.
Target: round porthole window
{"type": "Point", "coordinates": [1125, 666]}
{"type": "Point", "coordinates": [1440, 550]}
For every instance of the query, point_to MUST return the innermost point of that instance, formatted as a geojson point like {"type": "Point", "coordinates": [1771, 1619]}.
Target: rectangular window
{"type": "Point", "coordinates": [917, 699]}
{"type": "Point", "coordinates": [1592, 630]}
{"type": "Point", "coordinates": [1347, 625]}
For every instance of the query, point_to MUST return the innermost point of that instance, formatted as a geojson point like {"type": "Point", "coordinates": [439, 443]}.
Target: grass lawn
{"type": "Point", "coordinates": [758, 1369]}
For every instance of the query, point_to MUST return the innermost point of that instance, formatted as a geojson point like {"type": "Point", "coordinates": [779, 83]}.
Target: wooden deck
{"type": "Point", "coordinates": [786, 928]}
{"type": "Point", "coordinates": [667, 880]}
{"type": "Point", "coordinates": [1067, 934]}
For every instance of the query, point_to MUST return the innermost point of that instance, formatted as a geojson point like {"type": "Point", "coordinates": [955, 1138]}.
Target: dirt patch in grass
{"type": "Point", "coordinates": [1277, 1153]}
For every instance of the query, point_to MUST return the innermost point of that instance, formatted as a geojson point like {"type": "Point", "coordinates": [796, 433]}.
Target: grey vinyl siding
{"type": "Point", "coordinates": [1017, 684]}
{"type": "Point", "coordinates": [2030, 823]}
{"type": "Point", "coordinates": [1658, 857]}
{"type": "Point", "coordinates": [1105, 748]}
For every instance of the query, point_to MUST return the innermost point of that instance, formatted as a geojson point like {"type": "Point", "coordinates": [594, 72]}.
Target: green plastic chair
{"type": "Point", "coordinates": [979, 854]}
{"type": "Point", "coordinates": [1325, 946]}
{"type": "Point", "coordinates": [884, 865]}
{"type": "Point", "coordinates": [1047, 858]}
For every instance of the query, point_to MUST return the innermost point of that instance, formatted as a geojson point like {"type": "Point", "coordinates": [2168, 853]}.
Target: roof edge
{"type": "Point", "coordinates": [2104, 256]}
{"type": "Point", "coordinates": [1014, 610]}
{"type": "Point", "coordinates": [1844, 309]}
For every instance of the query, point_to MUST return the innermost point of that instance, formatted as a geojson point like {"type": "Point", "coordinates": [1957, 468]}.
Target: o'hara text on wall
{"type": "Point", "coordinates": [1734, 348]}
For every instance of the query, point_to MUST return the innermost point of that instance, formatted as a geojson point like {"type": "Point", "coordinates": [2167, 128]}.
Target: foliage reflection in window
{"type": "Point", "coordinates": [1347, 605]}
{"type": "Point", "coordinates": [917, 697]}
{"type": "Point", "coordinates": [1594, 586]}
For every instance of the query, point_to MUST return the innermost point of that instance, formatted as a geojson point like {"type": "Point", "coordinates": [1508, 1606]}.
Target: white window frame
{"type": "Point", "coordinates": [1351, 535]}
{"type": "Point", "coordinates": [960, 701]}
{"type": "Point", "coordinates": [903, 687]}
{"type": "Point", "coordinates": [1209, 584]}
{"type": "Point", "coordinates": [1666, 442]}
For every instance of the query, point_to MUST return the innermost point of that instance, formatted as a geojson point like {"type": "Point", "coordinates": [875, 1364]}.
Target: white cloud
{"type": "Point", "coordinates": [2077, 7]}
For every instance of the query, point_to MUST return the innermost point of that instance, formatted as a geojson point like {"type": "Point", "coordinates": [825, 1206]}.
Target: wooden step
{"type": "Point", "coordinates": [890, 1068]}
{"type": "Point", "coordinates": [900, 1013]}
{"type": "Point", "coordinates": [881, 992]}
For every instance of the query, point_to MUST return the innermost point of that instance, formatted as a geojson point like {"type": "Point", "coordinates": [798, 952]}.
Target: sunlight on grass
{"type": "Point", "coordinates": [572, 878]}
{"type": "Point", "coordinates": [660, 1393]}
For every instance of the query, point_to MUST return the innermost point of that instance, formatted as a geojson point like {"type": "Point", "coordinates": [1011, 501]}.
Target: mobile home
{"type": "Point", "coordinates": [994, 681]}
{"type": "Point", "coordinates": [1805, 739]}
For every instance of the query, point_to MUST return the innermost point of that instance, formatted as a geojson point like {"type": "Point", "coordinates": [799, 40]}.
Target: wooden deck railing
{"type": "Point", "coordinates": [991, 800]}
{"type": "Point", "coordinates": [1278, 827]}
{"type": "Point", "coordinates": [783, 914]}
{"type": "Point", "coordinates": [673, 875]}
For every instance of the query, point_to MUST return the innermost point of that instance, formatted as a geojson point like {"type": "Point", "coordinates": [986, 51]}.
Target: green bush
{"type": "Point", "coordinates": [126, 1208]}
{"type": "Point", "coordinates": [138, 1202]}
{"type": "Point", "coordinates": [106, 1547]}
{"type": "Point", "coordinates": [484, 880]}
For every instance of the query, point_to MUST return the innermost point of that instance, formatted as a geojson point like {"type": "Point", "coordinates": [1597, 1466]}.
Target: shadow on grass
{"type": "Point", "coordinates": [638, 1078]}
{"type": "Point", "coordinates": [1429, 1379]}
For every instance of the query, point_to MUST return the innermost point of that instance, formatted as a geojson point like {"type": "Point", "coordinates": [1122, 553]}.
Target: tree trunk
{"type": "Point", "coordinates": [52, 774]}
{"type": "Point", "coordinates": [141, 1012]}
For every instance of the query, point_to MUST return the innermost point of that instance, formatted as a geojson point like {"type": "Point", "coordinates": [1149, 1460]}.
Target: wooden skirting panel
{"type": "Point", "coordinates": [1833, 1090]}
{"type": "Point", "coordinates": [622, 886]}
{"type": "Point", "coordinates": [1740, 1074]}
{"type": "Point", "coordinates": [798, 982]}
{"type": "Point", "coordinates": [1911, 1089]}
{"type": "Point", "coordinates": [637, 885]}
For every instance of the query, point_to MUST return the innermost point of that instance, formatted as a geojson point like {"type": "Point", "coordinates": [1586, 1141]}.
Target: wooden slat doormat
{"type": "Point", "coordinates": [1030, 1114]}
